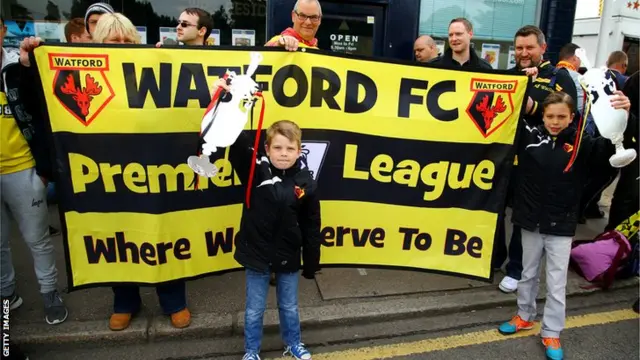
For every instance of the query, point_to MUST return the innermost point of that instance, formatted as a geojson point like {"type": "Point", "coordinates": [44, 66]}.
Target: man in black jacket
{"type": "Point", "coordinates": [530, 46]}
{"type": "Point", "coordinates": [460, 54]}
{"type": "Point", "coordinates": [25, 168]}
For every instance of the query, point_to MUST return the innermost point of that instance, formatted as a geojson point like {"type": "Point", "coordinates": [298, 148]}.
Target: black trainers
{"type": "Point", "coordinates": [15, 301]}
{"type": "Point", "coordinates": [54, 310]}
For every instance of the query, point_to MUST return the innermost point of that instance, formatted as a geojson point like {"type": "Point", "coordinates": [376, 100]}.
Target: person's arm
{"type": "Point", "coordinates": [532, 109]}
{"type": "Point", "coordinates": [28, 90]}
{"type": "Point", "coordinates": [29, 109]}
{"type": "Point", "coordinates": [241, 155]}
{"type": "Point", "coordinates": [598, 150]}
{"type": "Point", "coordinates": [288, 42]}
{"type": "Point", "coordinates": [309, 220]}
{"type": "Point", "coordinates": [535, 112]}
{"type": "Point", "coordinates": [527, 134]}
{"type": "Point", "coordinates": [631, 90]}
{"type": "Point", "coordinates": [274, 41]}
{"type": "Point", "coordinates": [631, 133]}
{"type": "Point", "coordinates": [30, 93]}
{"type": "Point", "coordinates": [580, 91]}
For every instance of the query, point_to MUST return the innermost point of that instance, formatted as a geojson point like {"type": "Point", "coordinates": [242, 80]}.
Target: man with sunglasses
{"type": "Point", "coordinates": [306, 16]}
{"type": "Point", "coordinates": [194, 27]}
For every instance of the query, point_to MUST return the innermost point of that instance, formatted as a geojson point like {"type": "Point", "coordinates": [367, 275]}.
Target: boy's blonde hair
{"type": "Point", "coordinates": [286, 128]}
{"type": "Point", "coordinates": [115, 24]}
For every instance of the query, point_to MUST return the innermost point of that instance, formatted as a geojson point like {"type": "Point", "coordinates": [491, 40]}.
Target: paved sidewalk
{"type": "Point", "coordinates": [336, 297]}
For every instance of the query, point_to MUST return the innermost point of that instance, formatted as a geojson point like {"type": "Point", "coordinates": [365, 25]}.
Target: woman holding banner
{"type": "Point", "coordinates": [117, 29]}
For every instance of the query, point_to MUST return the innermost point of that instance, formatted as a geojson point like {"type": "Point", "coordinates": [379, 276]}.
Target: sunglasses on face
{"type": "Point", "coordinates": [184, 24]}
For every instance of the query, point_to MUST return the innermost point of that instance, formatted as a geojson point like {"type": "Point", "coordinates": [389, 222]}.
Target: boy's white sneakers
{"type": "Point", "coordinates": [298, 352]}
{"type": "Point", "coordinates": [508, 285]}
{"type": "Point", "coordinates": [249, 356]}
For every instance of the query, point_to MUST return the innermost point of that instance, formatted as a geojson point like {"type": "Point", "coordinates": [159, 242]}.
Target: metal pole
{"type": "Point", "coordinates": [604, 39]}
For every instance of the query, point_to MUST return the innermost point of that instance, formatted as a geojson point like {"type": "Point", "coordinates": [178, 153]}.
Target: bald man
{"type": "Point", "coordinates": [303, 32]}
{"type": "Point", "coordinates": [425, 48]}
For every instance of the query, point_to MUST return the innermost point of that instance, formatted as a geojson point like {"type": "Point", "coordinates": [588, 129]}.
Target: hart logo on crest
{"type": "Point", "coordinates": [298, 191]}
{"type": "Point", "coordinates": [80, 84]}
{"type": "Point", "coordinates": [568, 147]}
{"type": "Point", "coordinates": [491, 105]}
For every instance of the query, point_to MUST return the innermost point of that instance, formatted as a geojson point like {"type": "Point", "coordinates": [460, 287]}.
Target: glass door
{"type": "Point", "coordinates": [352, 29]}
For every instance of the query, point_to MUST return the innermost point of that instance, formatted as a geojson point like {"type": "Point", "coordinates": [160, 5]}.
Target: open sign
{"type": "Point", "coordinates": [341, 37]}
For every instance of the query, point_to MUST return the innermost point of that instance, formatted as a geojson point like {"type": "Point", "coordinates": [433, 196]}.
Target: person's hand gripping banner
{"type": "Point", "coordinates": [611, 122]}
{"type": "Point", "coordinates": [226, 117]}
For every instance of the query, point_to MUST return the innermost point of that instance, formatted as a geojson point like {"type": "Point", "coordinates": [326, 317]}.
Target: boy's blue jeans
{"type": "Point", "coordinates": [257, 288]}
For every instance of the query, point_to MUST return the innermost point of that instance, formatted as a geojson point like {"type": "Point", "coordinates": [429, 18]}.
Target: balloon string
{"type": "Point", "coordinates": [255, 152]}
{"type": "Point", "coordinates": [226, 156]}
{"type": "Point", "coordinates": [586, 107]}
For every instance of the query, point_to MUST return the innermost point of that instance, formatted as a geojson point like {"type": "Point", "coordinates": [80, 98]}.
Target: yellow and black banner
{"type": "Point", "coordinates": [412, 162]}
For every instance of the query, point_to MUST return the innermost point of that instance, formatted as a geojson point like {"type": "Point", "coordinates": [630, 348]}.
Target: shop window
{"type": "Point", "coordinates": [47, 18]}
{"type": "Point", "coordinates": [496, 20]}
{"type": "Point", "coordinates": [500, 54]}
{"type": "Point", "coordinates": [235, 22]}
{"type": "Point", "coordinates": [495, 23]}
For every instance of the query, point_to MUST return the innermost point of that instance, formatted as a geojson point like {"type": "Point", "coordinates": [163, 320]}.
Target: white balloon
{"type": "Point", "coordinates": [224, 122]}
{"type": "Point", "coordinates": [611, 122]}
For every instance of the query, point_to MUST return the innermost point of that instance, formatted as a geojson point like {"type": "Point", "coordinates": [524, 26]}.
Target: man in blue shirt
{"type": "Point", "coordinates": [617, 63]}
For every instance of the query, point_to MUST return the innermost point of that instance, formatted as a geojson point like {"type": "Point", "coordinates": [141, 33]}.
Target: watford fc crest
{"type": "Point", "coordinates": [491, 105]}
{"type": "Point", "coordinates": [80, 84]}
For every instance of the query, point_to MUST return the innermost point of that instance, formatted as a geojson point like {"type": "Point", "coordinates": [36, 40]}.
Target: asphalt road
{"type": "Point", "coordinates": [611, 342]}
{"type": "Point", "coordinates": [601, 326]}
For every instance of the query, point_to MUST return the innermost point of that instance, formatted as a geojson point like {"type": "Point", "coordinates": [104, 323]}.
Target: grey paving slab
{"type": "Point", "coordinates": [358, 283]}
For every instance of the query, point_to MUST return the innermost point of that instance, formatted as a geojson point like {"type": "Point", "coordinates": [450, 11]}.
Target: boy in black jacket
{"type": "Point", "coordinates": [530, 47]}
{"type": "Point", "coordinates": [546, 201]}
{"type": "Point", "coordinates": [280, 224]}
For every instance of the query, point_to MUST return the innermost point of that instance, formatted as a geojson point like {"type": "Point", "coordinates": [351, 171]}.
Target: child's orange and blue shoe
{"type": "Point", "coordinates": [553, 348]}
{"type": "Point", "coordinates": [514, 325]}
